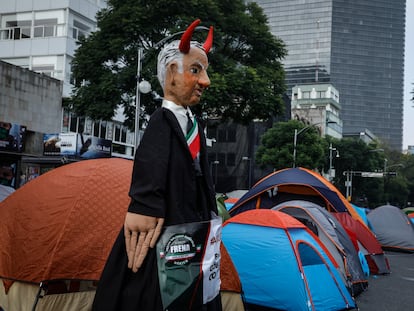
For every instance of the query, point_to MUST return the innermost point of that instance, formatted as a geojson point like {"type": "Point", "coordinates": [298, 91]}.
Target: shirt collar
{"type": "Point", "coordinates": [176, 109]}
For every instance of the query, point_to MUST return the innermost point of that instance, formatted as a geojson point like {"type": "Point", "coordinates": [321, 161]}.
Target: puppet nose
{"type": "Point", "coordinates": [204, 80]}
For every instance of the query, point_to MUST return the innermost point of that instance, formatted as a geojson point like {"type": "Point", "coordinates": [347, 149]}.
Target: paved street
{"type": "Point", "coordinates": [393, 292]}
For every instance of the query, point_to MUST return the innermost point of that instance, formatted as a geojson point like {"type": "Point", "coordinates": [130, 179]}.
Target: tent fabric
{"type": "Point", "coordinates": [282, 265]}
{"type": "Point", "coordinates": [62, 225]}
{"type": "Point", "coordinates": [334, 237]}
{"type": "Point", "coordinates": [293, 184]}
{"type": "Point", "coordinates": [393, 228]}
{"type": "Point", "coordinates": [362, 211]}
{"type": "Point", "coordinates": [366, 242]}
{"type": "Point", "coordinates": [408, 210]}
{"type": "Point", "coordinates": [230, 280]}
{"type": "Point", "coordinates": [411, 216]}
{"type": "Point", "coordinates": [22, 296]}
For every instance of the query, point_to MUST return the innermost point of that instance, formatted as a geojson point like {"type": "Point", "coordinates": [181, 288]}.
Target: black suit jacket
{"type": "Point", "coordinates": [164, 184]}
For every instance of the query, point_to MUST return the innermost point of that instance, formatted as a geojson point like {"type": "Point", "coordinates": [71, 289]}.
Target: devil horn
{"type": "Point", "coordinates": [209, 41]}
{"type": "Point", "coordinates": [186, 37]}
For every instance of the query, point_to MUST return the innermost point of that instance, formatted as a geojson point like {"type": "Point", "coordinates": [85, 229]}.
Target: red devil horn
{"type": "Point", "coordinates": [186, 37]}
{"type": "Point", "coordinates": [209, 41]}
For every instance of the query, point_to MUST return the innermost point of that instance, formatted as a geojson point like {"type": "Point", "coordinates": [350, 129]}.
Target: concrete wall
{"type": "Point", "coordinates": [30, 99]}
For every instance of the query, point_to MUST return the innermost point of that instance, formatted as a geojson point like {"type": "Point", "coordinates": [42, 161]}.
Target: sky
{"type": "Point", "coordinates": [408, 129]}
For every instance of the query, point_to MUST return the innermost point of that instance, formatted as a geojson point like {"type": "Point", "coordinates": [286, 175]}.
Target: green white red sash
{"type": "Point", "coordinates": [193, 140]}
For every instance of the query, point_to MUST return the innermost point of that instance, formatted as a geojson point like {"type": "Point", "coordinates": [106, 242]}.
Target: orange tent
{"type": "Point", "coordinates": [62, 225]}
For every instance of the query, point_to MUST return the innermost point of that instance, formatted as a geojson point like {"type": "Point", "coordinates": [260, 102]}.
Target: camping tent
{"type": "Point", "coordinates": [282, 264]}
{"type": "Point", "coordinates": [294, 184]}
{"type": "Point", "coordinates": [61, 226]}
{"type": "Point", "coordinates": [393, 228]}
{"type": "Point", "coordinates": [333, 236]}
{"type": "Point", "coordinates": [366, 242]}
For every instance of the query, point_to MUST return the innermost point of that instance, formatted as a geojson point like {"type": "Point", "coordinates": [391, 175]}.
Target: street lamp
{"type": "Point", "coordinates": [295, 139]}
{"type": "Point", "coordinates": [250, 170]}
{"type": "Point", "coordinates": [331, 150]}
{"type": "Point", "coordinates": [143, 87]}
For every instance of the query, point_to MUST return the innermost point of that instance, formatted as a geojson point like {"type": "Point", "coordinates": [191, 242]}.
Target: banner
{"type": "Point", "coordinates": [189, 264]}
{"type": "Point", "coordinates": [75, 144]}
{"type": "Point", "coordinates": [12, 136]}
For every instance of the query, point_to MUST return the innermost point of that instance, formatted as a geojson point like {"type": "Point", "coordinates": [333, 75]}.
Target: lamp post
{"type": "Point", "coordinates": [250, 170]}
{"type": "Point", "coordinates": [141, 88]}
{"type": "Point", "coordinates": [295, 139]}
{"type": "Point", "coordinates": [331, 150]}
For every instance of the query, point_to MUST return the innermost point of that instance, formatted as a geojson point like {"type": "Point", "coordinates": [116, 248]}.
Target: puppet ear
{"type": "Point", "coordinates": [186, 37]}
{"type": "Point", "coordinates": [209, 41]}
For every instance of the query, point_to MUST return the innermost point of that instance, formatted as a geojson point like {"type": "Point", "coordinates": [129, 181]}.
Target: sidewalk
{"type": "Point", "coordinates": [393, 292]}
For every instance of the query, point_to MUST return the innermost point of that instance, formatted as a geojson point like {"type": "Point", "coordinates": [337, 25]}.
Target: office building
{"type": "Point", "coordinates": [318, 104]}
{"type": "Point", "coordinates": [355, 45]}
{"type": "Point", "coordinates": [42, 35]}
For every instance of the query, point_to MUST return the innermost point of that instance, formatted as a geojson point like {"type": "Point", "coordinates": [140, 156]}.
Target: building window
{"type": "Point", "coordinates": [117, 133]}
{"type": "Point", "coordinates": [306, 95]}
{"type": "Point", "coordinates": [79, 30]}
{"type": "Point", "coordinates": [320, 94]}
{"type": "Point", "coordinates": [17, 30]}
{"type": "Point", "coordinates": [95, 128]}
{"type": "Point", "coordinates": [45, 27]}
{"type": "Point", "coordinates": [103, 126]}
{"type": "Point", "coordinates": [45, 69]}
{"type": "Point", "coordinates": [221, 157]}
{"type": "Point", "coordinates": [231, 159]}
{"type": "Point", "coordinates": [231, 134]}
{"type": "Point", "coordinates": [73, 123]}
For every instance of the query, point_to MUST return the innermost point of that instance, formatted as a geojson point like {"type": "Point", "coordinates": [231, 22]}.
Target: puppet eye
{"type": "Point", "coordinates": [194, 70]}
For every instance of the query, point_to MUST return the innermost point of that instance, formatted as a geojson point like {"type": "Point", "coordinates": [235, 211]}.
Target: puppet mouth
{"type": "Point", "coordinates": [198, 92]}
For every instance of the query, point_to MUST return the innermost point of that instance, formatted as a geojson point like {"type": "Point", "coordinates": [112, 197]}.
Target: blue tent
{"type": "Point", "coordinates": [282, 265]}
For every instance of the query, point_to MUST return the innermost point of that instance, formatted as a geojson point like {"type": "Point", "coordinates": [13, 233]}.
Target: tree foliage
{"type": "Point", "coordinates": [247, 78]}
{"type": "Point", "coordinates": [277, 144]}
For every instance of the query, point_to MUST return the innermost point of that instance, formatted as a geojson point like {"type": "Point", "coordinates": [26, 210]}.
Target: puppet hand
{"type": "Point", "coordinates": [141, 232]}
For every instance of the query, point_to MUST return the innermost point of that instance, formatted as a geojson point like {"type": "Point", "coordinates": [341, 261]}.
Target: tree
{"type": "Point", "coordinates": [276, 147]}
{"type": "Point", "coordinates": [247, 78]}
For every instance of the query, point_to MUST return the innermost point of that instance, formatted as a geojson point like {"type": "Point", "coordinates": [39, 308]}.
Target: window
{"type": "Point", "coordinates": [231, 134]}
{"type": "Point", "coordinates": [124, 134]}
{"type": "Point", "coordinates": [96, 128]}
{"type": "Point", "coordinates": [221, 157]}
{"type": "Point", "coordinates": [45, 27]}
{"type": "Point", "coordinates": [102, 134]}
{"type": "Point", "coordinates": [231, 159]}
{"type": "Point", "coordinates": [117, 132]}
{"type": "Point", "coordinates": [45, 69]}
{"type": "Point", "coordinates": [18, 29]}
{"type": "Point", "coordinates": [79, 30]}
{"type": "Point", "coordinates": [73, 123]}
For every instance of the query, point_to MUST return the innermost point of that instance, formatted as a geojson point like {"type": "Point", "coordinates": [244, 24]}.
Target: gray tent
{"type": "Point", "coordinates": [393, 228]}
{"type": "Point", "coordinates": [333, 236]}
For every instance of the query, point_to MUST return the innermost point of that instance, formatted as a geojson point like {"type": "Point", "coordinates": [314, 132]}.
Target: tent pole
{"type": "Point", "coordinates": [38, 295]}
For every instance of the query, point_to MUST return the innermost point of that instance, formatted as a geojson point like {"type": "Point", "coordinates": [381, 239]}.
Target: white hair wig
{"type": "Point", "coordinates": [170, 53]}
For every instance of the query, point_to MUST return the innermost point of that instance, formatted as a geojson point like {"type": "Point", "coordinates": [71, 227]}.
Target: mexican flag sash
{"type": "Point", "coordinates": [193, 140]}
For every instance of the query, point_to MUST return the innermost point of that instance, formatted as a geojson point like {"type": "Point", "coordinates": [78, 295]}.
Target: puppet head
{"type": "Point", "coordinates": [175, 50]}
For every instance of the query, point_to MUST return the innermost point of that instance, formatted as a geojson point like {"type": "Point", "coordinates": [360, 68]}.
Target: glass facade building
{"type": "Point", "coordinates": [355, 45]}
